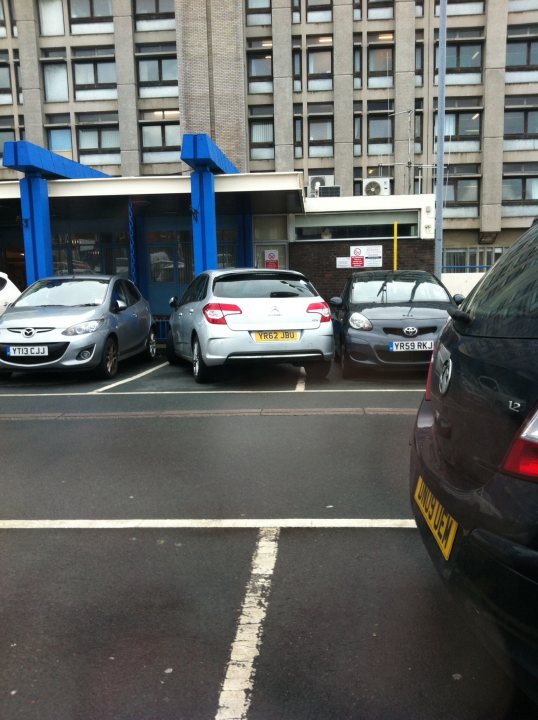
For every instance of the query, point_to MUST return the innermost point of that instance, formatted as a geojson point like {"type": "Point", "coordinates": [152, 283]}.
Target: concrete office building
{"type": "Point", "coordinates": [343, 90]}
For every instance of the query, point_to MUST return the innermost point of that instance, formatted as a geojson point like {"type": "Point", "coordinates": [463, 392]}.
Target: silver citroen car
{"type": "Point", "coordinates": [81, 322]}
{"type": "Point", "coordinates": [251, 315]}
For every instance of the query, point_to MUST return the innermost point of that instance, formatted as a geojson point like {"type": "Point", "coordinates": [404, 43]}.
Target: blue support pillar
{"type": "Point", "coordinates": [201, 153]}
{"type": "Point", "coordinates": [36, 228]}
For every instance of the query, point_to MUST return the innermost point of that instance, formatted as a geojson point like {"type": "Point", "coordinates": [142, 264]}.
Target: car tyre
{"type": "Point", "coordinates": [108, 367]}
{"type": "Point", "coordinates": [318, 370]}
{"type": "Point", "coordinates": [150, 350]}
{"type": "Point", "coordinates": [171, 356]}
{"type": "Point", "coordinates": [200, 370]}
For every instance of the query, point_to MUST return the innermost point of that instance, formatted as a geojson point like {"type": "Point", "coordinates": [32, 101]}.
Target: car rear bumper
{"type": "Point", "coordinates": [312, 347]}
{"type": "Point", "coordinates": [493, 578]}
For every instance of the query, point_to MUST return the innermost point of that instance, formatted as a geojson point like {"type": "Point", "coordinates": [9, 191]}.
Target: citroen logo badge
{"type": "Point", "coordinates": [29, 332]}
{"type": "Point", "coordinates": [410, 331]}
{"type": "Point", "coordinates": [445, 377]}
{"type": "Point", "coordinates": [274, 311]}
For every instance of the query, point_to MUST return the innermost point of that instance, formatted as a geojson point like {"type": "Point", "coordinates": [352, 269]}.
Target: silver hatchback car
{"type": "Point", "coordinates": [251, 315]}
{"type": "Point", "coordinates": [81, 322]}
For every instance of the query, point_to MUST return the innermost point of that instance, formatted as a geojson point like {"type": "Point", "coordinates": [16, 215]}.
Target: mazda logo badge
{"type": "Point", "coordinates": [29, 332]}
{"type": "Point", "coordinates": [410, 331]}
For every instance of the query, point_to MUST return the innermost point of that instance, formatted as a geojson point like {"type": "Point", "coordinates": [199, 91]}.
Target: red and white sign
{"type": "Point", "coordinates": [366, 255]}
{"type": "Point", "coordinates": [271, 259]}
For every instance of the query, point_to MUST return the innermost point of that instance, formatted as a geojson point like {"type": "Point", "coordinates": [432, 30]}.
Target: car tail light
{"type": "Point", "coordinates": [322, 309]}
{"type": "Point", "coordinates": [428, 391]}
{"type": "Point", "coordinates": [215, 313]}
{"type": "Point", "coordinates": [522, 458]}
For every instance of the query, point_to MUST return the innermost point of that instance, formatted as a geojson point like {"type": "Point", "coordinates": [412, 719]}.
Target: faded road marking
{"type": "Point", "coordinates": [128, 380]}
{"type": "Point", "coordinates": [236, 692]}
{"type": "Point", "coordinates": [212, 524]}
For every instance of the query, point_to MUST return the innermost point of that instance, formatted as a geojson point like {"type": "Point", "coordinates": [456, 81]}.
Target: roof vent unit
{"type": "Point", "coordinates": [376, 186]}
{"type": "Point", "coordinates": [319, 181]}
{"type": "Point", "coordinates": [329, 191]}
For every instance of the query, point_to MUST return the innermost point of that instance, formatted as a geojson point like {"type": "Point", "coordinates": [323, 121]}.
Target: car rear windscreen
{"type": "Point", "coordinates": [264, 285]}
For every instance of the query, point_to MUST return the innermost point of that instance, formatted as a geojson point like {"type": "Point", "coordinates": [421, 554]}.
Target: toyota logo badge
{"type": "Point", "coordinates": [29, 332]}
{"type": "Point", "coordinates": [410, 331]}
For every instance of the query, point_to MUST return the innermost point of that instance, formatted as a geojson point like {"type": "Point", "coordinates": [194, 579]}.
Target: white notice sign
{"type": "Point", "coordinates": [366, 256]}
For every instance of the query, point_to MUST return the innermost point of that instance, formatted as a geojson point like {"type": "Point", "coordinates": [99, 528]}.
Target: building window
{"type": "Point", "coordinates": [460, 7]}
{"type": "Point", "coordinates": [260, 66]}
{"type": "Point", "coordinates": [7, 131]}
{"type": "Point", "coordinates": [521, 123]}
{"type": "Point", "coordinates": [90, 17]}
{"type": "Point", "coordinates": [154, 15]}
{"type": "Point", "coordinates": [320, 130]}
{"type": "Point", "coordinates": [51, 17]}
{"type": "Point", "coordinates": [520, 189]}
{"type": "Point", "coordinates": [357, 129]}
{"type": "Point", "coordinates": [160, 140]}
{"type": "Point", "coordinates": [297, 59]}
{"type": "Point", "coordinates": [462, 125]}
{"type": "Point", "coordinates": [419, 59]}
{"type": "Point", "coordinates": [157, 70]}
{"type": "Point", "coordinates": [298, 130]}
{"type": "Point", "coordinates": [522, 5]}
{"type": "Point", "coordinates": [380, 61]}
{"type": "Point", "coordinates": [319, 11]}
{"type": "Point", "coordinates": [463, 57]}
{"type": "Point", "coordinates": [418, 125]}
{"type": "Point", "coordinates": [357, 181]}
{"type": "Point", "coordinates": [94, 73]}
{"type": "Point", "coordinates": [380, 127]}
{"type": "Point", "coordinates": [261, 129]}
{"type": "Point", "coordinates": [55, 75]}
{"type": "Point", "coordinates": [320, 63]}
{"type": "Point", "coordinates": [258, 12]}
{"type": "Point", "coordinates": [380, 9]}
{"type": "Point", "coordinates": [471, 259]}
{"type": "Point", "coordinates": [357, 62]}
{"type": "Point", "coordinates": [522, 54]}
{"type": "Point", "coordinates": [357, 10]}
{"type": "Point", "coordinates": [6, 96]}
{"type": "Point", "coordinates": [296, 11]}
{"type": "Point", "coordinates": [462, 191]}
{"type": "Point", "coordinates": [419, 8]}
{"type": "Point", "coordinates": [98, 138]}
{"type": "Point", "coordinates": [59, 133]}
{"type": "Point", "coordinates": [3, 31]}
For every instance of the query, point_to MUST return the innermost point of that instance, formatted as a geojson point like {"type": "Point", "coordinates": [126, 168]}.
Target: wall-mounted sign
{"type": "Point", "coordinates": [366, 256]}
{"type": "Point", "coordinates": [343, 262]}
{"type": "Point", "coordinates": [271, 259]}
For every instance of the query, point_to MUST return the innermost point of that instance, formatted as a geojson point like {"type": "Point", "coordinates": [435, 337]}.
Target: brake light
{"type": "Point", "coordinates": [215, 313]}
{"type": "Point", "coordinates": [428, 391]}
{"type": "Point", "coordinates": [322, 308]}
{"type": "Point", "coordinates": [522, 458]}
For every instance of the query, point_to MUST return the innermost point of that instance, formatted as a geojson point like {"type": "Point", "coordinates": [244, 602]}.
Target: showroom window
{"type": "Point", "coordinates": [520, 189]}
{"type": "Point", "coordinates": [320, 130]}
{"type": "Point", "coordinates": [261, 130]}
{"type": "Point", "coordinates": [90, 17]}
{"type": "Point", "coordinates": [258, 12]}
{"type": "Point", "coordinates": [154, 15]}
{"type": "Point", "coordinates": [260, 65]}
{"type": "Point", "coordinates": [320, 63]}
{"type": "Point", "coordinates": [521, 122]}
{"type": "Point", "coordinates": [380, 60]}
{"type": "Point", "coordinates": [160, 136]}
{"type": "Point", "coordinates": [157, 70]}
{"type": "Point", "coordinates": [471, 259]}
{"type": "Point", "coordinates": [94, 73]}
{"type": "Point", "coordinates": [98, 138]}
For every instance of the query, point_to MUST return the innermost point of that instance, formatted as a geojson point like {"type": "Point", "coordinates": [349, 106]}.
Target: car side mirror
{"type": "Point", "coordinates": [117, 306]}
{"type": "Point", "coordinates": [336, 302]}
{"type": "Point", "coordinates": [174, 302]}
{"type": "Point", "coordinates": [458, 298]}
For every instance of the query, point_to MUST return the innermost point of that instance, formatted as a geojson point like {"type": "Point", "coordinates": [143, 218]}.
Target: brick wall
{"type": "Point", "coordinates": [317, 260]}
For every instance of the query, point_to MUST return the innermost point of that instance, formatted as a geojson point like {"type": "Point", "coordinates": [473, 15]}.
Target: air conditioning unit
{"type": "Point", "coordinates": [376, 186]}
{"type": "Point", "coordinates": [317, 181]}
{"type": "Point", "coordinates": [329, 191]}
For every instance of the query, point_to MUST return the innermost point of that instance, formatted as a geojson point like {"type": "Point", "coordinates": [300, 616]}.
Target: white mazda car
{"type": "Point", "coordinates": [8, 292]}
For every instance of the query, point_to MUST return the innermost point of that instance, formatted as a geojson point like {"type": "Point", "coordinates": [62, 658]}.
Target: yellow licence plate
{"type": "Point", "coordinates": [441, 523]}
{"type": "Point", "coordinates": [276, 335]}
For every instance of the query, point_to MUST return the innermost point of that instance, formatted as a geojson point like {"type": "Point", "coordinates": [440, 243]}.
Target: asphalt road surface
{"type": "Point", "coordinates": [244, 549]}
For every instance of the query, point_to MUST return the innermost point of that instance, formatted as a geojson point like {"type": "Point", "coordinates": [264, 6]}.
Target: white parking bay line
{"type": "Point", "coordinates": [212, 524]}
{"type": "Point", "coordinates": [301, 382]}
{"type": "Point", "coordinates": [236, 692]}
{"type": "Point", "coordinates": [129, 379]}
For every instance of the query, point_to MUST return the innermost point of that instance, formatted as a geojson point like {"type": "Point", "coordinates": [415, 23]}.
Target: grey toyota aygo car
{"type": "Point", "coordinates": [474, 459]}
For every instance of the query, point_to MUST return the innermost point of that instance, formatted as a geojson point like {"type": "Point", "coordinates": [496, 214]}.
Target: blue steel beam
{"type": "Point", "coordinates": [39, 165]}
{"type": "Point", "coordinates": [206, 159]}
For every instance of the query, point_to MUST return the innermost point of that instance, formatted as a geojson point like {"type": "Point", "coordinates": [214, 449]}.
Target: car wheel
{"type": "Point", "coordinates": [199, 369]}
{"type": "Point", "coordinates": [150, 351]}
{"type": "Point", "coordinates": [318, 371]}
{"type": "Point", "coordinates": [346, 366]}
{"type": "Point", "coordinates": [170, 352]}
{"type": "Point", "coordinates": [108, 367]}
